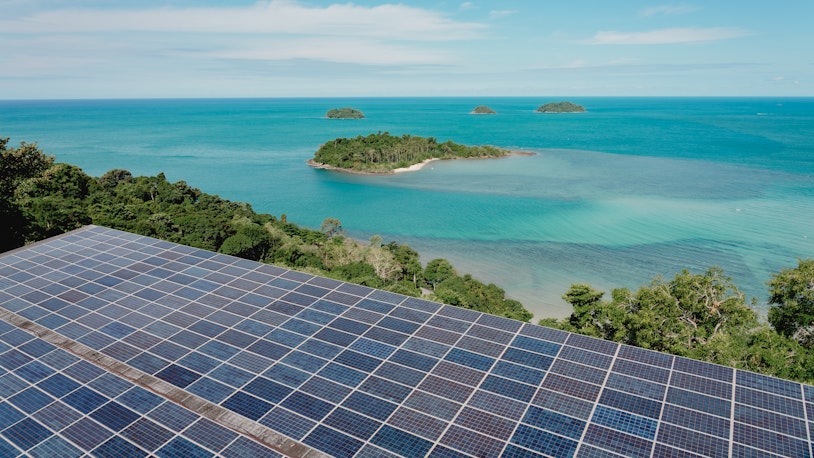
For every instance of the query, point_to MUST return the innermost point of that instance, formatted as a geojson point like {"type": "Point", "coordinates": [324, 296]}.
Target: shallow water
{"type": "Point", "coordinates": [633, 188]}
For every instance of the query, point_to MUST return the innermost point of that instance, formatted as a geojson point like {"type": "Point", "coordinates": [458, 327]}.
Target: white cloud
{"type": "Point", "coordinates": [66, 41]}
{"type": "Point", "coordinates": [668, 10]}
{"type": "Point", "coordinates": [666, 36]}
{"type": "Point", "coordinates": [331, 49]}
{"type": "Point", "coordinates": [390, 21]}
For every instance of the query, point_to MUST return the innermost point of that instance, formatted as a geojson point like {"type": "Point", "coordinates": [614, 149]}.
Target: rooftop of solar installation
{"type": "Point", "coordinates": [259, 353]}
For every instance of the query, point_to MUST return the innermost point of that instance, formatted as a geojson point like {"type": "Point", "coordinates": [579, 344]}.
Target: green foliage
{"type": "Point", "coordinates": [792, 293]}
{"type": "Point", "coordinates": [702, 316]}
{"type": "Point", "coordinates": [561, 107]}
{"type": "Point", "coordinates": [16, 166]}
{"type": "Point", "coordinates": [345, 113]}
{"type": "Point", "coordinates": [470, 293]}
{"type": "Point", "coordinates": [483, 109]}
{"type": "Point", "coordinates": [683, 314]}
{"type": "Point", "coordinates": [358, 272]}
{"type": "Point", "coordinates": [408, 259]}
{"type": "Point", "coordinates": [331, 227]}
{"type": "Point", "coordinates": [383, 152]}
{"type": "Point", "coordinates": [438, 271]}
{"type": "Point", "coordinates": [251, 241]}
{"type": "Point", "coordinates": [20, 164]}
{"type": "Point", "coordinates": [592, 316]}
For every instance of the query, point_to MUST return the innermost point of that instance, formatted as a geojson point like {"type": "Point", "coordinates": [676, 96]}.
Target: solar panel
{"type": "Point", "coordinates": [117, 344]}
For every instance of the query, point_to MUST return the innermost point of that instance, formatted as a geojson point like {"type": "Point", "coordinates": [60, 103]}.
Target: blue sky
{"type": "Point", "coordinates": [290, 48]}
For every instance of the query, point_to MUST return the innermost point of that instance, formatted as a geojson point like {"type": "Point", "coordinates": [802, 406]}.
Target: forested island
{"type": "Point", "coordinates": [382, 153]}
{"type": "Point", "coordinates": [344, 113]}
{"type": "Point", "coordinates": [697, 315]}
{"type": "Point", "coordinates": [483, 109]}
{"type": "Point", "coordinates": [561, 107]}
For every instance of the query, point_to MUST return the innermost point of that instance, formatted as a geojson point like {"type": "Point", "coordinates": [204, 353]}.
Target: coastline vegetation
{"type": "Point", "coordinates": [561, 107]}
{"type": "Point", "coordinates": [697, 315]}
{"type": "Point", "coordinates": [345, 113]}
{"type": "Point", "coordinates": [41, 198]}
{"type": "Point", "coordinates": [383, 153]}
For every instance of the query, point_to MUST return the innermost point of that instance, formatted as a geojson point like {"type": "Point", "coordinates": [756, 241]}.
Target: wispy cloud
{"type": "Point", "coordinates": [60, 41]}
{"type": "Point", "coordinates": [666, 36]}
{"type": "Point", "coordinates": [390, 21]}
{"type": "Point", "coordinates": [668, 10]}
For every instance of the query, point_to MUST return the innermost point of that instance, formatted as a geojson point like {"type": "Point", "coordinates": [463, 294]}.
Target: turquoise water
{"type": "Point", "coordinates": [635, 187]}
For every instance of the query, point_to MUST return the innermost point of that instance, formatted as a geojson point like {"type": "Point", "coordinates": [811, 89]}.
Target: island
{"type": "Point", "coordinates": [561, 107]}
{"type": "Point", "coordinates": [382, 153]}
{"type": "Point", "coordinates": [482, 109]}
{"type": "Point", "coordinates": [345, 113]}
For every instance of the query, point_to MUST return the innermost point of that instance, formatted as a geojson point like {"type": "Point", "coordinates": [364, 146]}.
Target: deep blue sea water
{"type": "Point", "coordinates": [633, 188]}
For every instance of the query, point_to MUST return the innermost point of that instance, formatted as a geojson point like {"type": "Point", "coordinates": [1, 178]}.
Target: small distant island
{"type": "Point", "coordinates": [345, 113]}
{"type": "Point", "coordinates": [561, 107]}
{"type": "Point", "coordinates": [482, 109]}
{"type": "Point", "coordinates": [382, 153]}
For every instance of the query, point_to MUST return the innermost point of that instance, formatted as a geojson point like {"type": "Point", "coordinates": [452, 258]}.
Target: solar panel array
{"type": "Point", "coordinates": [117, 344]}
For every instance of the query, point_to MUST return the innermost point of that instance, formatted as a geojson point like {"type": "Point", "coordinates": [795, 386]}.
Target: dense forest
{"type": "Point", "coordinates": [704, 316]}
{"type": "Point", "coordinates": [344, 113]}
{"type": "Point", "coordinates": [697, 315]}
{"type": "Point", "coordinates": [561, 107]}
{"type": "Point", "coordinates": [382, 152]}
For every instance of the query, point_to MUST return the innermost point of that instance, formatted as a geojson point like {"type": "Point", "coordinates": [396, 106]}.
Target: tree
{"type": "Point", "coordinates": [437, 271]}
{"type": "Point", "coordinates": [112, 178]}
{"type": "Point", "coordinates": [680, 316]}
{"type": "Point", "coordinates": [383, 262]}
{"type": "Point", "coordinates": [594, 317]}
{"type": "Point", "coordinates": [250, 242]}
{"type": "Point", "coordinates": [792, 293]}
{"type": "Point", "coordinates": [683, 314]}
{"type": "Point", "coordinates": [331, 227]}
{"type": "Point", "coordinates": [408, 259]}
{"type": "Point", "coordinates": [16, 166]}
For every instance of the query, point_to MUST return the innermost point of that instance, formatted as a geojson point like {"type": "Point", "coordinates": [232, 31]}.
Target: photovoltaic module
{"type": "Point", "coordinates": [115, 344]}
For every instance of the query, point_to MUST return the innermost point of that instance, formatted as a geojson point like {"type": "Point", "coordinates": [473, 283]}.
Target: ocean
{"type": "Point", "coordinates": [629, 190]}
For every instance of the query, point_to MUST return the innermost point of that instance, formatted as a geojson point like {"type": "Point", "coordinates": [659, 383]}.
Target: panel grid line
{"type": "Point", "coordinates": [264, 435]}
{"type": "Point", "coordinates": [348, 369]}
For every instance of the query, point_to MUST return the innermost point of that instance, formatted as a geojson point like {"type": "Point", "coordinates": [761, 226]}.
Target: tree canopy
{"type": "Point", "coordinates": [345, 113]}
{"type": "Point", "coordinates": [561, 107]}
{"type": "Point", "coordinates": [792, 293]}
{"type": "Point", "coordinates": [382, 152]}
{"type": "Point", "coordinates": [483, 109]}
{"type": "Point", "coordinates": [702, 316]}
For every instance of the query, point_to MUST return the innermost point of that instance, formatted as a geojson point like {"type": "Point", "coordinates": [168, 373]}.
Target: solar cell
{"type": "Point", "coordinates": [192, 353]}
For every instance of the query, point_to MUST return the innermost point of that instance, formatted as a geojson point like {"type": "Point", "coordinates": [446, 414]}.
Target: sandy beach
{"type": "Point", "coordinates": [412, 168]}
{"type": "Point", "coordinates": [415, 167]}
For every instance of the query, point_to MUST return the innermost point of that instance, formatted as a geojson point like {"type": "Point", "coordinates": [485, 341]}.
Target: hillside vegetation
{"type": "Point", "coordinates": [382, 152]}
{"type": "Point", "coordinates": [561, 107]}
{"type": "Point", "coordinates": [483, 109]}
{"type": "Point", "coordinates": [345, 113]}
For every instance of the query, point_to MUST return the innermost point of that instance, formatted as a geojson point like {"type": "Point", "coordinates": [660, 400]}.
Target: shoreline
{"type": "Point", "coordinates": [414, 167]}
